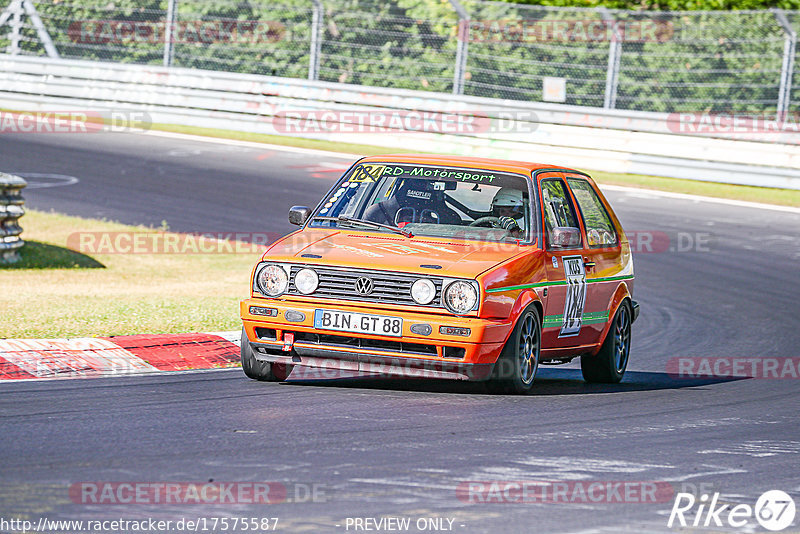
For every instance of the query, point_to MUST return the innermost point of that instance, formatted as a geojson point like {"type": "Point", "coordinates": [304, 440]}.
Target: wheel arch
{"type": "Point", "coordinates": [525, 299]}
{"type": "Point", "coordinates": [621, 295]}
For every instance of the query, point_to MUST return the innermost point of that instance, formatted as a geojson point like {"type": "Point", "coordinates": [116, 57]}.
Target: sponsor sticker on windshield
{"type": "Point", "coordinates": [367, 173]}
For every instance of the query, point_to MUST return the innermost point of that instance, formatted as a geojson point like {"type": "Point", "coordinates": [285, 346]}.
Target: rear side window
{"type": "Point", "coordinates": [600, 231]}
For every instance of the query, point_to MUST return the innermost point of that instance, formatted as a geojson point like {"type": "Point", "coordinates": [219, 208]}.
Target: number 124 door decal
{"type": "Point", "coordinates": [575, 301]}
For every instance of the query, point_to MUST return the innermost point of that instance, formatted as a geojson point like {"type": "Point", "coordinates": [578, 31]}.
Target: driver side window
{"type": "Point", "coordinates": [560, 220]}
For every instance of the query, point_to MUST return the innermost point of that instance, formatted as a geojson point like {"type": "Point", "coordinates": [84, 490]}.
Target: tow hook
{"type": "Point", "coordinates": [288, 341]}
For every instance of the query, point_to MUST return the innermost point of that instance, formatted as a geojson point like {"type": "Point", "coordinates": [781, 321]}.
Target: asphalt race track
{"type": "Point", "coordinates": [728, 288]}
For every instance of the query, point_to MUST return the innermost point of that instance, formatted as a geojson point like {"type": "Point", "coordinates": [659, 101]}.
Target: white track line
{"type": "Point", "coordinates": [252, 144]}
{"type": "Point", "coordinates": [698, 198]}
{"type": "Point", "coordinates": [233, 336]}
{"type": "Point", "coordinates": [353, 157]}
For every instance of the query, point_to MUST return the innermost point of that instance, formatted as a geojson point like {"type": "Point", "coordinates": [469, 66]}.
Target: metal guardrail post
{"type": "Point", "coordinates": [41, 31]}
{"type": "Point", "coordinates": [316, 40]}
{"type": "Point", "coordinates": [462, 47]}
{"type": "Point", "coordinates": [614, 56]}
{"type": "Point", "coordinates": [787, 66]}
{"type": "Point", "coordinates": [11, 209]}
{"type": "Point", "coordinates": [169, 31]}
{"type": "Point", "coordinates": [15, 12]}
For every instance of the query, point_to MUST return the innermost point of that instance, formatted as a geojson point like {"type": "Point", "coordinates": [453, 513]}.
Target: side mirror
{"type": "Point", "coordinates": [565, 237]}
{"type": "Point", "coordinates": [298, 215]}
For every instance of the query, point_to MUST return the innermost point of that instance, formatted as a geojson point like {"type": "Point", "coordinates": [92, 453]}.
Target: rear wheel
{"type": "Point", "coordinates": [264, 371]}
{"type": "Point", "coordinates": [608, 366]}
{"type": "Point", "coordinates": [516, 367]}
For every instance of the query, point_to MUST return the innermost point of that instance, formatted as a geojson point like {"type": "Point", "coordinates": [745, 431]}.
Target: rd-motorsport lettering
{"type": "Point", "coordinates": [370, 173]}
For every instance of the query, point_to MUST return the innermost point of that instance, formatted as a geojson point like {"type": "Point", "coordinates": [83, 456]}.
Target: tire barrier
{"type": "Point", "coordinates": [12, 207]}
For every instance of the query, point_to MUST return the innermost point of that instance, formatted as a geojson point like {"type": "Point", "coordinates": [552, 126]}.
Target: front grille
{"type": "Point", "coordinates": [388, 287]}
{"type": "Point", "coordinates": [363, 343]}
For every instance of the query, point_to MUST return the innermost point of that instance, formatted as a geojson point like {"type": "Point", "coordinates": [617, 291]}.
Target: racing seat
{"type": "Point", "coordinates": [414, 201]}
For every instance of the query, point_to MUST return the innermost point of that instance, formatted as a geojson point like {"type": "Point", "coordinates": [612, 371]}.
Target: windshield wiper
{"type": "Point", "coordinates": [372, 224]}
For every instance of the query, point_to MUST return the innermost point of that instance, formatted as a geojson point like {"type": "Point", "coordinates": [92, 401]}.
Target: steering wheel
{"type": "Point", "coordinates": [488, 222]}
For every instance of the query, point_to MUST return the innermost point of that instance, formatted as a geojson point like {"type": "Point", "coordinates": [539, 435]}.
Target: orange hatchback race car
{"type": "Point", "coordinates": [446, 267]}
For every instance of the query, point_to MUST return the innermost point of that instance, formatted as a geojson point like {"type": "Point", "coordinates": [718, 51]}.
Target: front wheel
{"type": "Point", "coordinates": [608, 366]}
{"type": "Point", "coordinates": [516, 367]}
{"type": "Point", "coordinates": [264, 371]}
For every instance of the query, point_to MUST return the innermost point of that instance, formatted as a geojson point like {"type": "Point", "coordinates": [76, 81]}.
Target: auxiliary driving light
{"type": "Point", "coordinates": [423, 291]}
{"type": "Point", "coordinates": [306, 281]}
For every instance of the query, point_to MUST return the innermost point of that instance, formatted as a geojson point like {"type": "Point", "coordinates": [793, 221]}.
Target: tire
{"type": "Point", "coordinates": [516, 367]}
{"type": "Point", "coordinates": [608, 366]}
{"type": "Point", "coordinates": [264, 371]}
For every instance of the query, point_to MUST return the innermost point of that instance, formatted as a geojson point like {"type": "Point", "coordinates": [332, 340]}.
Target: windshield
{"type": "Point", "coordinates": [431, 200]}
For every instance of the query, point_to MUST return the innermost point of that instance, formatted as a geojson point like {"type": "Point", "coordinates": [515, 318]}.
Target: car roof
{"type": "Point", "coordinates": [521, 167]}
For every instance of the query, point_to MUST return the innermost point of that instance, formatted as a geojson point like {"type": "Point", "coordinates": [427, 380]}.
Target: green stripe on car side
{"type": "Point", "coordinates": [552, 320]}
{"type": "Point", "coordinates": [557, 283]}
{"type": "Point", "coordinates": [588, 318]}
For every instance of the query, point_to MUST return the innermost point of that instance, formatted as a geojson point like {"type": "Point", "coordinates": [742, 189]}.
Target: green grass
{"type": "Point", "coordinates": [767, 195]}
{"type": "Point", "coordinates": [37, 255]}
{"type": "Point", "coordinates": [57, 292]}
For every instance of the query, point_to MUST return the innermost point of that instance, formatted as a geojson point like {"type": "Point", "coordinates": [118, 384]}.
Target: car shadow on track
{"type": "Point", "coordinates": [548, 382]}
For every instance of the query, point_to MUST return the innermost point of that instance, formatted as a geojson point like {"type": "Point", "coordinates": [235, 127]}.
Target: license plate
{"type": "Point", "coordinates": [361, 323]}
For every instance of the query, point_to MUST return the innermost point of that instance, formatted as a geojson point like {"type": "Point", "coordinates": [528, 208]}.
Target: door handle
{"type": "Point", "coordinates": [588, 264]}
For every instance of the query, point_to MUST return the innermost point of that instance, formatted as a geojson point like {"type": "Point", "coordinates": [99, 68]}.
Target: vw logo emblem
{"type": "Point", "coordinates": [364, 286]}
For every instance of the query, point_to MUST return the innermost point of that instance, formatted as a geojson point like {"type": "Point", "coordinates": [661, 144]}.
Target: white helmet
{"type": "Point", "coordinates": [508, 197]}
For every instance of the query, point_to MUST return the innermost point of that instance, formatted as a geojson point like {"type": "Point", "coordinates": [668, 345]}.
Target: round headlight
{"type": "Point", "coordinates": [460, 297]}
{"type": "Point", "coordinates": [423, 291]}
{"type": "Point", "coordinates": [272, 280]}
{"type": "Point", "coordinates": [306, 281]}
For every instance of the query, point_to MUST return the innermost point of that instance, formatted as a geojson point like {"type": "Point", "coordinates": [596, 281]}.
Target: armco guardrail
{"type": "Point", "coordinates": [647, 60]}
{"type": "Point", "coordinates": [587, 138]}
{"type": "Point", "coordinates": [11, 209]}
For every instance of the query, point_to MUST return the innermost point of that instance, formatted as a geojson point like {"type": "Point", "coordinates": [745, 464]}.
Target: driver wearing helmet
{"type": "Point", "coordinates": [508, 206]}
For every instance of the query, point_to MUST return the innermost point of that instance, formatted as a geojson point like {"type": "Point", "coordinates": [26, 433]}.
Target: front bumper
{"type": "Point", "coordinates": [437, 355]}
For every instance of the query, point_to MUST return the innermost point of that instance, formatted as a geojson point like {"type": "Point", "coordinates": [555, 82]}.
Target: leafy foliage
{"type": "Point", "coordinates": [689, 60]}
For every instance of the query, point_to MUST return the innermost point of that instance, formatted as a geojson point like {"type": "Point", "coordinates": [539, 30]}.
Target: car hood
{"type": "Point", "coordinates": [369, 250]}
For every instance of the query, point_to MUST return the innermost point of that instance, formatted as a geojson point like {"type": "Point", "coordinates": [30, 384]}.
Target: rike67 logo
{"type": "Point", "coordinates": [774, 510]}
